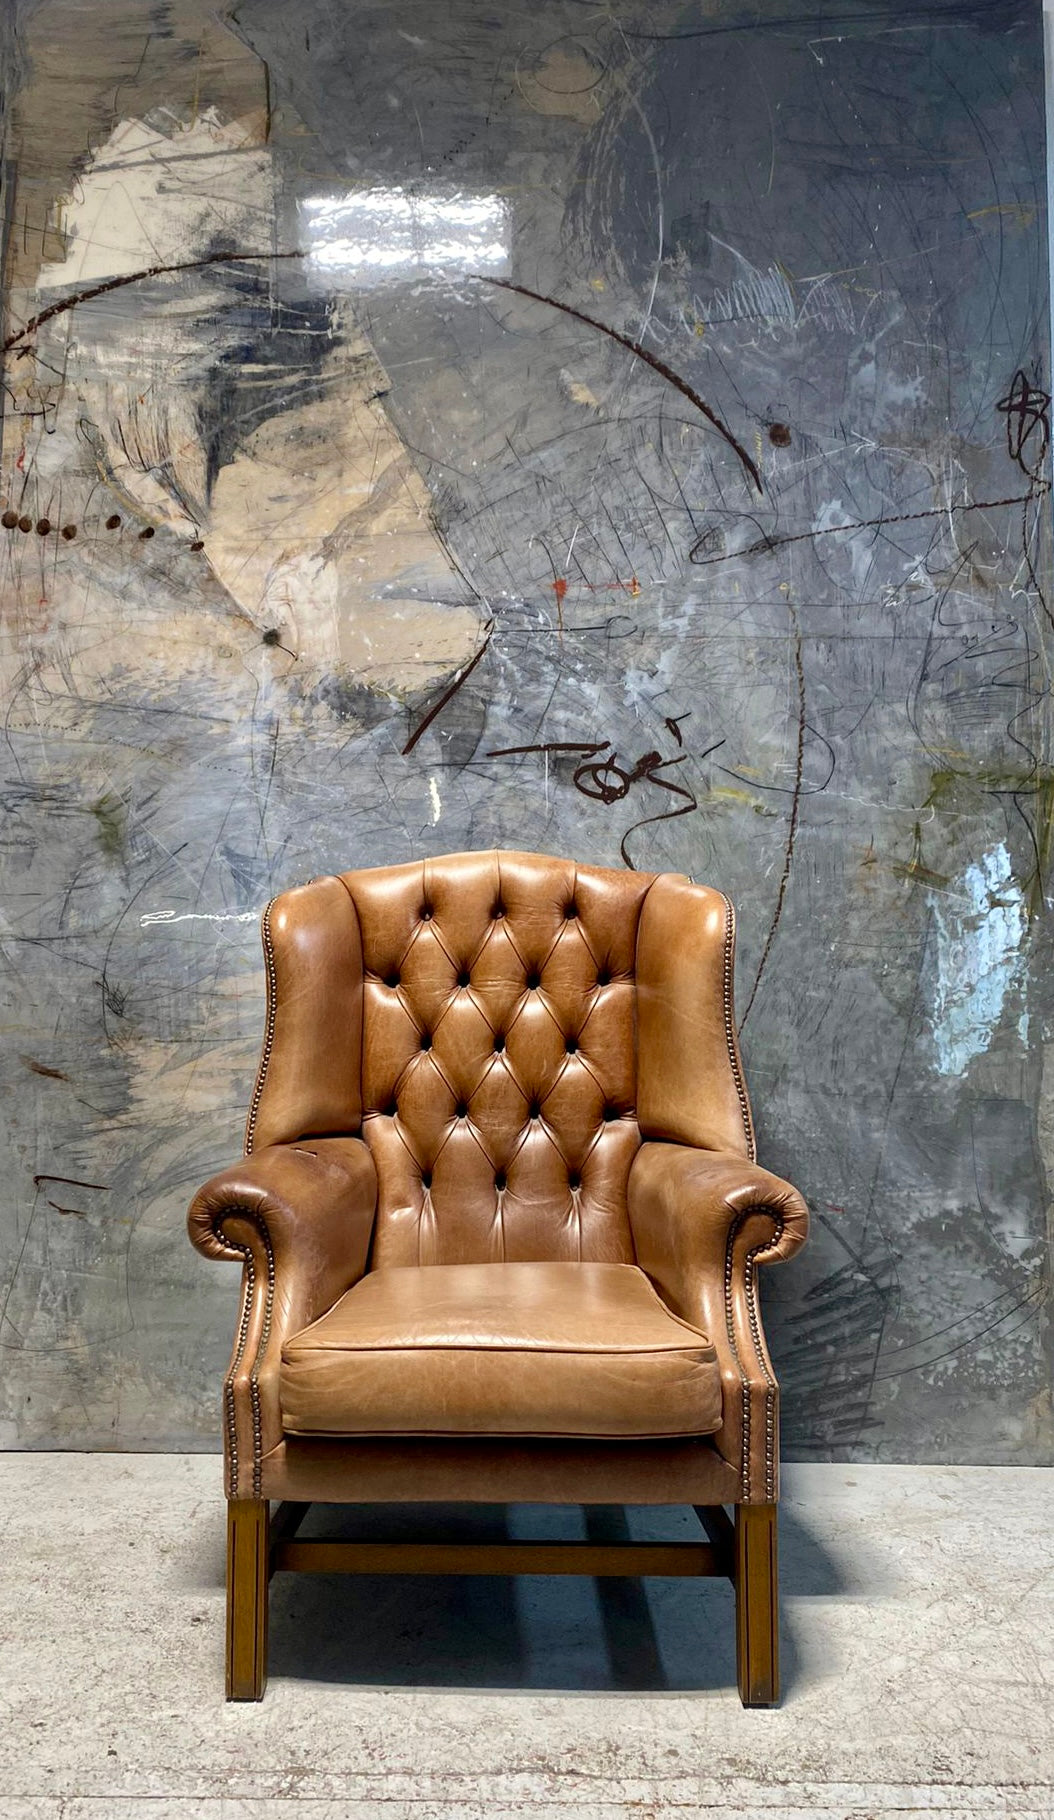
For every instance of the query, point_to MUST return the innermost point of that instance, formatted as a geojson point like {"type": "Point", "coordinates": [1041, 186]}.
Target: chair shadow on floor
{"type": "Point", "coordinates": [530, 1632]}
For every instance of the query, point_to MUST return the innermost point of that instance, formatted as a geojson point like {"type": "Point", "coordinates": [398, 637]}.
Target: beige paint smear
{"type": "Point", "coordinates": [320, 526]}
{"type": "Point", "coordinates": [316, 514]}
{"type": "Point", "coordinates": [565, 83]}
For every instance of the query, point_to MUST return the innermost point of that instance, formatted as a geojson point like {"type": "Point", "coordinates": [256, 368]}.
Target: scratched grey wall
{"type": "Point", "coordinates": [619, 431]}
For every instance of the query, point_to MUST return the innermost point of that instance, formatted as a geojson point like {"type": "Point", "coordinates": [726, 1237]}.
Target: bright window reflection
{"type": "Point", "coordinates": [368, 236]}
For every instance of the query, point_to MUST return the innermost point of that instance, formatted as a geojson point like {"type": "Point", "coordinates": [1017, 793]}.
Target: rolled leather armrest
{"type": "Point", "coordinates": [702, 1221]}
{"type": "Point", "coordinates": [298, 1218]}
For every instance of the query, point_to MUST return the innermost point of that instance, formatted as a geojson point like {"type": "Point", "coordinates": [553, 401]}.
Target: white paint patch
{"type": "Point", "coordinates": [157, 196]}
{"type": "Point", "coordinates": [437, 804]}
{"type": "Point", "coordinates": [154, 917]}
{"type": "Point", "coordinates": [366, 237]}
{"type": "Point", "coordinates": [979, 958]}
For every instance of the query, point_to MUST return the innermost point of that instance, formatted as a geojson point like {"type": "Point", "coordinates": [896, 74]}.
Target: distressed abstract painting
{"type": "Point", "coordinates": [620, 431]}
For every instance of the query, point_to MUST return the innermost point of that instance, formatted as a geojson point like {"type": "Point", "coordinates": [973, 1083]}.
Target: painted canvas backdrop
{"type": "Point", "coordinates": [617, 433]}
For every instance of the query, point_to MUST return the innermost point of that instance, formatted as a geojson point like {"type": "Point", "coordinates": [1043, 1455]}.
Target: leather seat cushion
{"type": "Point", "coordinates": [501, 1349]}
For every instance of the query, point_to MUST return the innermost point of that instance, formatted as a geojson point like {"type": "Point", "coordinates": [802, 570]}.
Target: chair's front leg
{"type": "Point", "coordinates": [757, 1605]}
{"type": "Point", "coordinates": [248, 1573]}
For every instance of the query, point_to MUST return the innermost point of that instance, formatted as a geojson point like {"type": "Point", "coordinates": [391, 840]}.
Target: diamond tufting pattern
{"type": "Point", "coordinates": [499, 1057]}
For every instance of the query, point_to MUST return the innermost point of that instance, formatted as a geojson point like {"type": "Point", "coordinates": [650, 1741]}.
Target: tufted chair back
{"type": "Point", "coordinates": [503, 1028]}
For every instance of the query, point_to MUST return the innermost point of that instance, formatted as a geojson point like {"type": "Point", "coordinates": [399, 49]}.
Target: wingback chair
{"type": "Point", "coordinates": [499, 1223]}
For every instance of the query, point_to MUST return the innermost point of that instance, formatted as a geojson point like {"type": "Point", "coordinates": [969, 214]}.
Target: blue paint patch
{"type": "Point", "coordinates": [979, 959]}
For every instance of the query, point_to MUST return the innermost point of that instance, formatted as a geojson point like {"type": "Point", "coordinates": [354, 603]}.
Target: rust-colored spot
{"type": "Point", "coordinates": [779, 434]}
{"type": "Point", "coordinates": [35, 1067]}
{"type": "Point", "coordinates": [25, 524]}
{"type": "Point", "coordinates": [560, 589]}
{"type": "Point", "coordinates": [69, 532]}
{"type": "Point", "coordinates": [113, 521]}
{"type": "Point", "coordinates": [143, 535]}
{"type": "Point", "coordinates": [272, 636]}
{"type": "Point", "coordinates": [43, 526]}
{"type": "Point", "coordinates": [9, 520]}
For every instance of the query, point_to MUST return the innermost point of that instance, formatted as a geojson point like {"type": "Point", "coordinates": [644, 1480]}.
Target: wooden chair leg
{"type": "Point", "coordinates": [757, 1605]}
{"type": "Point", "coordinates": [248, 1573]}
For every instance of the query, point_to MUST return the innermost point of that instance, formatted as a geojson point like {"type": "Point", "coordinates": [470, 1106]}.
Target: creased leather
{"type": "Point", "coordinates": [501, 1349]}
{"type": "Point", "coordinates": [702, 1221]}
{"type": "Point", "coordinates": [479, 1470]}
{"type": "Point", "coordinates": [499, 1056]}
{"type": "Point", "coordinates": [473, 1048]}
{"type": "Point", "coordinates": [308, 1078]}
{"type": "Point", "coordinates": [690, 1088]}
{"type": "Point", "coordinates": [299, 1219]}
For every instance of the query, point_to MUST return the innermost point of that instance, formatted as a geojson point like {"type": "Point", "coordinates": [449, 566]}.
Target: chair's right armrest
{"type": "Point", "coordinates": [702, 1221]}
{"type": "Point", "coordinates": [299, 1219]}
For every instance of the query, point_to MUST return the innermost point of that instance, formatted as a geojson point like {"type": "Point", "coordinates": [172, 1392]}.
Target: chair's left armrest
{"type": "Point", "coordinates": [298, 1218]}
{"type": "Point", "coordinates": [702, 1220]}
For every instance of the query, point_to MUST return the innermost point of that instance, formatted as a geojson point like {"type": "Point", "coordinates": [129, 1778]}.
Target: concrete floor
{"type": "Point", "coordinates": [918, 1655]}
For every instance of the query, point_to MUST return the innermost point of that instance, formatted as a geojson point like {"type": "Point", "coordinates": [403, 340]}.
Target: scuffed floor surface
{"type": "Point", "coordinates": [918, 1648]}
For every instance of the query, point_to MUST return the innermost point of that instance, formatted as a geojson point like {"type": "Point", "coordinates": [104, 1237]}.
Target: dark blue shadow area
{"type": "Point", "coordinates": [656, 1635]}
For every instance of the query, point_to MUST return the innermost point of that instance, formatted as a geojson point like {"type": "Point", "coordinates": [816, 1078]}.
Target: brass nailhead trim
{"type": "Point", "coordinates": [247, 1213]}
{"type": "Point", "coordinates": [230, 1411]}
{"type": "Point", "coordinates": [272, 1011]}
{"type": "Point", "coordinates": [730, 1032]}
{"type": "Point", "coordinates": [754, 1318]}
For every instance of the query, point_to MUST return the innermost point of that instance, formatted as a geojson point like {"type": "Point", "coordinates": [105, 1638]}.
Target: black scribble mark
{"type": "Point", "coordinates": [673, 723]}
{"type": "Point", "coordinates": [69, 1181]}
{"type": "Point", "coordinates": [772, 542]}
{"type": "Point", "coordinates": [849, 1309]}
{"type": "Point", "coordinates": [604, 780]}
{"type": "Point", "coordinates": [51, 1074]}
{"type": "Point", "coordinates": [792, 826]}
{"type": "Point", "coordinates": [78, 1212]}
{"type": "Point", "coordinates": [553, 745]}
{"type": "Point", "coordinates": [1034, 1300]}
{"type": "Point", "coordinates": [1027, 411]}
{"type": "Point", "coordinates": [641, 353]}
{"type": "Point", "coordinates": [116, 284]}
{"type": "Point", "coordinates": [460, 678]}
{"type": "Point", "coordinates": [689, 801]}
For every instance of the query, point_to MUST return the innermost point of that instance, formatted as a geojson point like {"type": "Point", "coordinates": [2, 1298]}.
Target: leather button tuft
{"type": "Point", "coordinates": [570, 910]}
{"type": "Point", "coordinates": [464, 978]}
{"type": "Point", "coordinates": [498, 911]}
{"type": "Point", "coordinates": [610, 1112]}
{"type": "Point", "coordinates": [426, 1179]}
{"type": "Point", "coordinates": [392, 979]}
{"type": "Point", "coordinates": [534, 980]}
{"type": "Point", "coordinates": [535, 1110]}
{"type": "Point", "coordinates": [392, 1111]}
{"type": "Point", "coordinates": [426, 1040]}
{"type": "Point", "coordinates": [426, 913]}
{"type": "Point", "coordinates": [571, 1045]}
{"type": "Point", "coordinates": [500, 1181]}
{"type": "Point", "coordinates": [461, 1110]}
{"type": "Point", "coordinates": [603, 977]}
{"type": "Point", "coordinates": [499, 1044]}
{"type": "Point", "coordinates": [574, 1180]}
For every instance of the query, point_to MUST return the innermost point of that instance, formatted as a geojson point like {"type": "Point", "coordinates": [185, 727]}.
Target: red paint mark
{"type": "Point", "coordinates": [21, 462]}
{"type": "Point", "coordinates": [560, 589]}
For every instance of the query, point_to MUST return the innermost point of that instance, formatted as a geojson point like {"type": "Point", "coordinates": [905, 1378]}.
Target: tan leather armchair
{"type": "Point", "coordinates": [499, 1223]}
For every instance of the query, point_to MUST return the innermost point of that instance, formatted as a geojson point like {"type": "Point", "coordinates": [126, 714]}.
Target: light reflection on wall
{"type": "Point", "coordinates": [374, 236]}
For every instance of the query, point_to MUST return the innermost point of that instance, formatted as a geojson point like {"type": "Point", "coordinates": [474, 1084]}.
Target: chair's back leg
{"type": "Point", "coordinates": [757, 1605]}
{"type": "Point", "coordinates": [248, 1573]}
